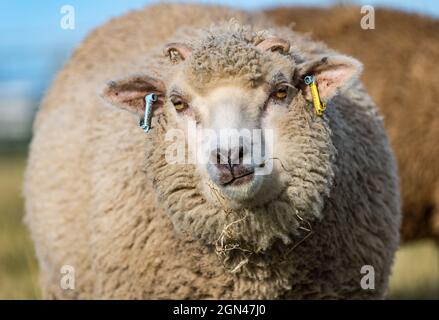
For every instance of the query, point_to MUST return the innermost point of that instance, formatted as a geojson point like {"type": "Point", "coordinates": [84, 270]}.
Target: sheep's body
{"type": "Point", "coordinates": [90, 205]}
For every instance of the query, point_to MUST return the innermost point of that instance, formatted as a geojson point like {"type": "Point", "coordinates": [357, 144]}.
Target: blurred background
{"type": "Point", "coordinates": [33, 46]}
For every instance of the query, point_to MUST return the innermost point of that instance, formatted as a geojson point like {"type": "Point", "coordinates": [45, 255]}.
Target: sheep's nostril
{"type": "Point", "coordinates": [236, 156]}
{"type": "Point", "coordinates": [218, 157]}
{"type": "Point", "coordinates": [241, 155]}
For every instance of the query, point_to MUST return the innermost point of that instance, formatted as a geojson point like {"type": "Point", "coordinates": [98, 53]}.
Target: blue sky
{"type": "Point", "coordinates": [33, 46]}
{"type": "Point", "coordinates": [37, 22]}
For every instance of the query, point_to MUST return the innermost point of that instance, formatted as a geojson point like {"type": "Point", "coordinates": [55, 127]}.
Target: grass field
{"type": "Point", "coordinates": [18, 268]}
{"type": "Point", "coordinates": [415, 276]}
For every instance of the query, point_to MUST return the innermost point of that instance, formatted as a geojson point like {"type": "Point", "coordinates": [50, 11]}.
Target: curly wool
{"type": "Point", "coordinates": [227, 50]}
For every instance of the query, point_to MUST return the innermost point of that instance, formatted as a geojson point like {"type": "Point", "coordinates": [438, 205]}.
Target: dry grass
{"type": "Point", "coordinates": [225, 244]}
{"type": "Point", "coordinates": [416, 273]}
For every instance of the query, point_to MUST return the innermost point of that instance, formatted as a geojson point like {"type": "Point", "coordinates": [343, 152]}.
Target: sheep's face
{"type": "Point", "coordinates": [260, 161]}
{"type": "Point", "coordinates": [233, 127]}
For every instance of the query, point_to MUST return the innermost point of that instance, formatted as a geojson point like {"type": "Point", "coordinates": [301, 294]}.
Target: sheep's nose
{"type": "Point", "coordinates": [227, 157]}
{"type": "Point", "coordinates": [229, 166]}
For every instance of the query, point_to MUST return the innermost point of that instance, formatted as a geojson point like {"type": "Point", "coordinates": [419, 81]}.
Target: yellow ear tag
{"type": "Point", "coordinates": [319, 106]}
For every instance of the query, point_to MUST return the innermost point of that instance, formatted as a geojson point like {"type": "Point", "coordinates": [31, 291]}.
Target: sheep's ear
{"type": "Point", "coordinates": [332, 74]}
{"type": "Point", "coordinates": [177, 51]}
{"type": "Point", "coordinates": [274, 44]}
{"type": "Point", "coordinates": [129, 93]}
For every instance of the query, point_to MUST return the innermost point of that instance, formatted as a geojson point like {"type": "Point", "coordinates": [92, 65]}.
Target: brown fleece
{"type": "Point", "coordinates": [402, 75]}
{"type": "Point", "coordinates": [101, 197]}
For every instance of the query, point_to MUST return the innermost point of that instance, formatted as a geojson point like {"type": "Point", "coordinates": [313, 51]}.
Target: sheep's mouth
{"type": "Point", "coordinates": [241, 179]}
{"type": "Point", "coordinates": [237, 182]}
{"type": "Point", "coordinates": [227, 175]}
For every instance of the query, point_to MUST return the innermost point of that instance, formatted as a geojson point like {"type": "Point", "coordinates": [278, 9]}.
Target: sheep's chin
{"type": "Point", "coordinates": [243, 192]}
{"type": "Point", "coordinates": [254, 191]}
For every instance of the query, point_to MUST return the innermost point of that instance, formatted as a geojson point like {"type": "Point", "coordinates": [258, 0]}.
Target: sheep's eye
{"type": "Point", "coordinates": [179, 104]}
{"type": "Point", "coordinates": [281, 93]}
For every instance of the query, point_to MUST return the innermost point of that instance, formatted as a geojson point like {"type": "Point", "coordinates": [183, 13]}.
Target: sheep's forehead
{"type": "Point", "coordinates": [225, 56]}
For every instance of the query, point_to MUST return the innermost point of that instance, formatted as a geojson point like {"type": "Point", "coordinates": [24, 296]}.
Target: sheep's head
{"type": "Point", "coordinates": [264, 160]}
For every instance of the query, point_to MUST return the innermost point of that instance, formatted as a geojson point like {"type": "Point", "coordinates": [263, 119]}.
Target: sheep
{"type": "Point", "coordinates": [405, 96]}
{"type": "Point", "coordinates": [102, 197]}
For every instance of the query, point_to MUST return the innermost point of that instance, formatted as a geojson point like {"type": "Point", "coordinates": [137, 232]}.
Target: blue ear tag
{"type": "Point", "coordinates": [145, 123]}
